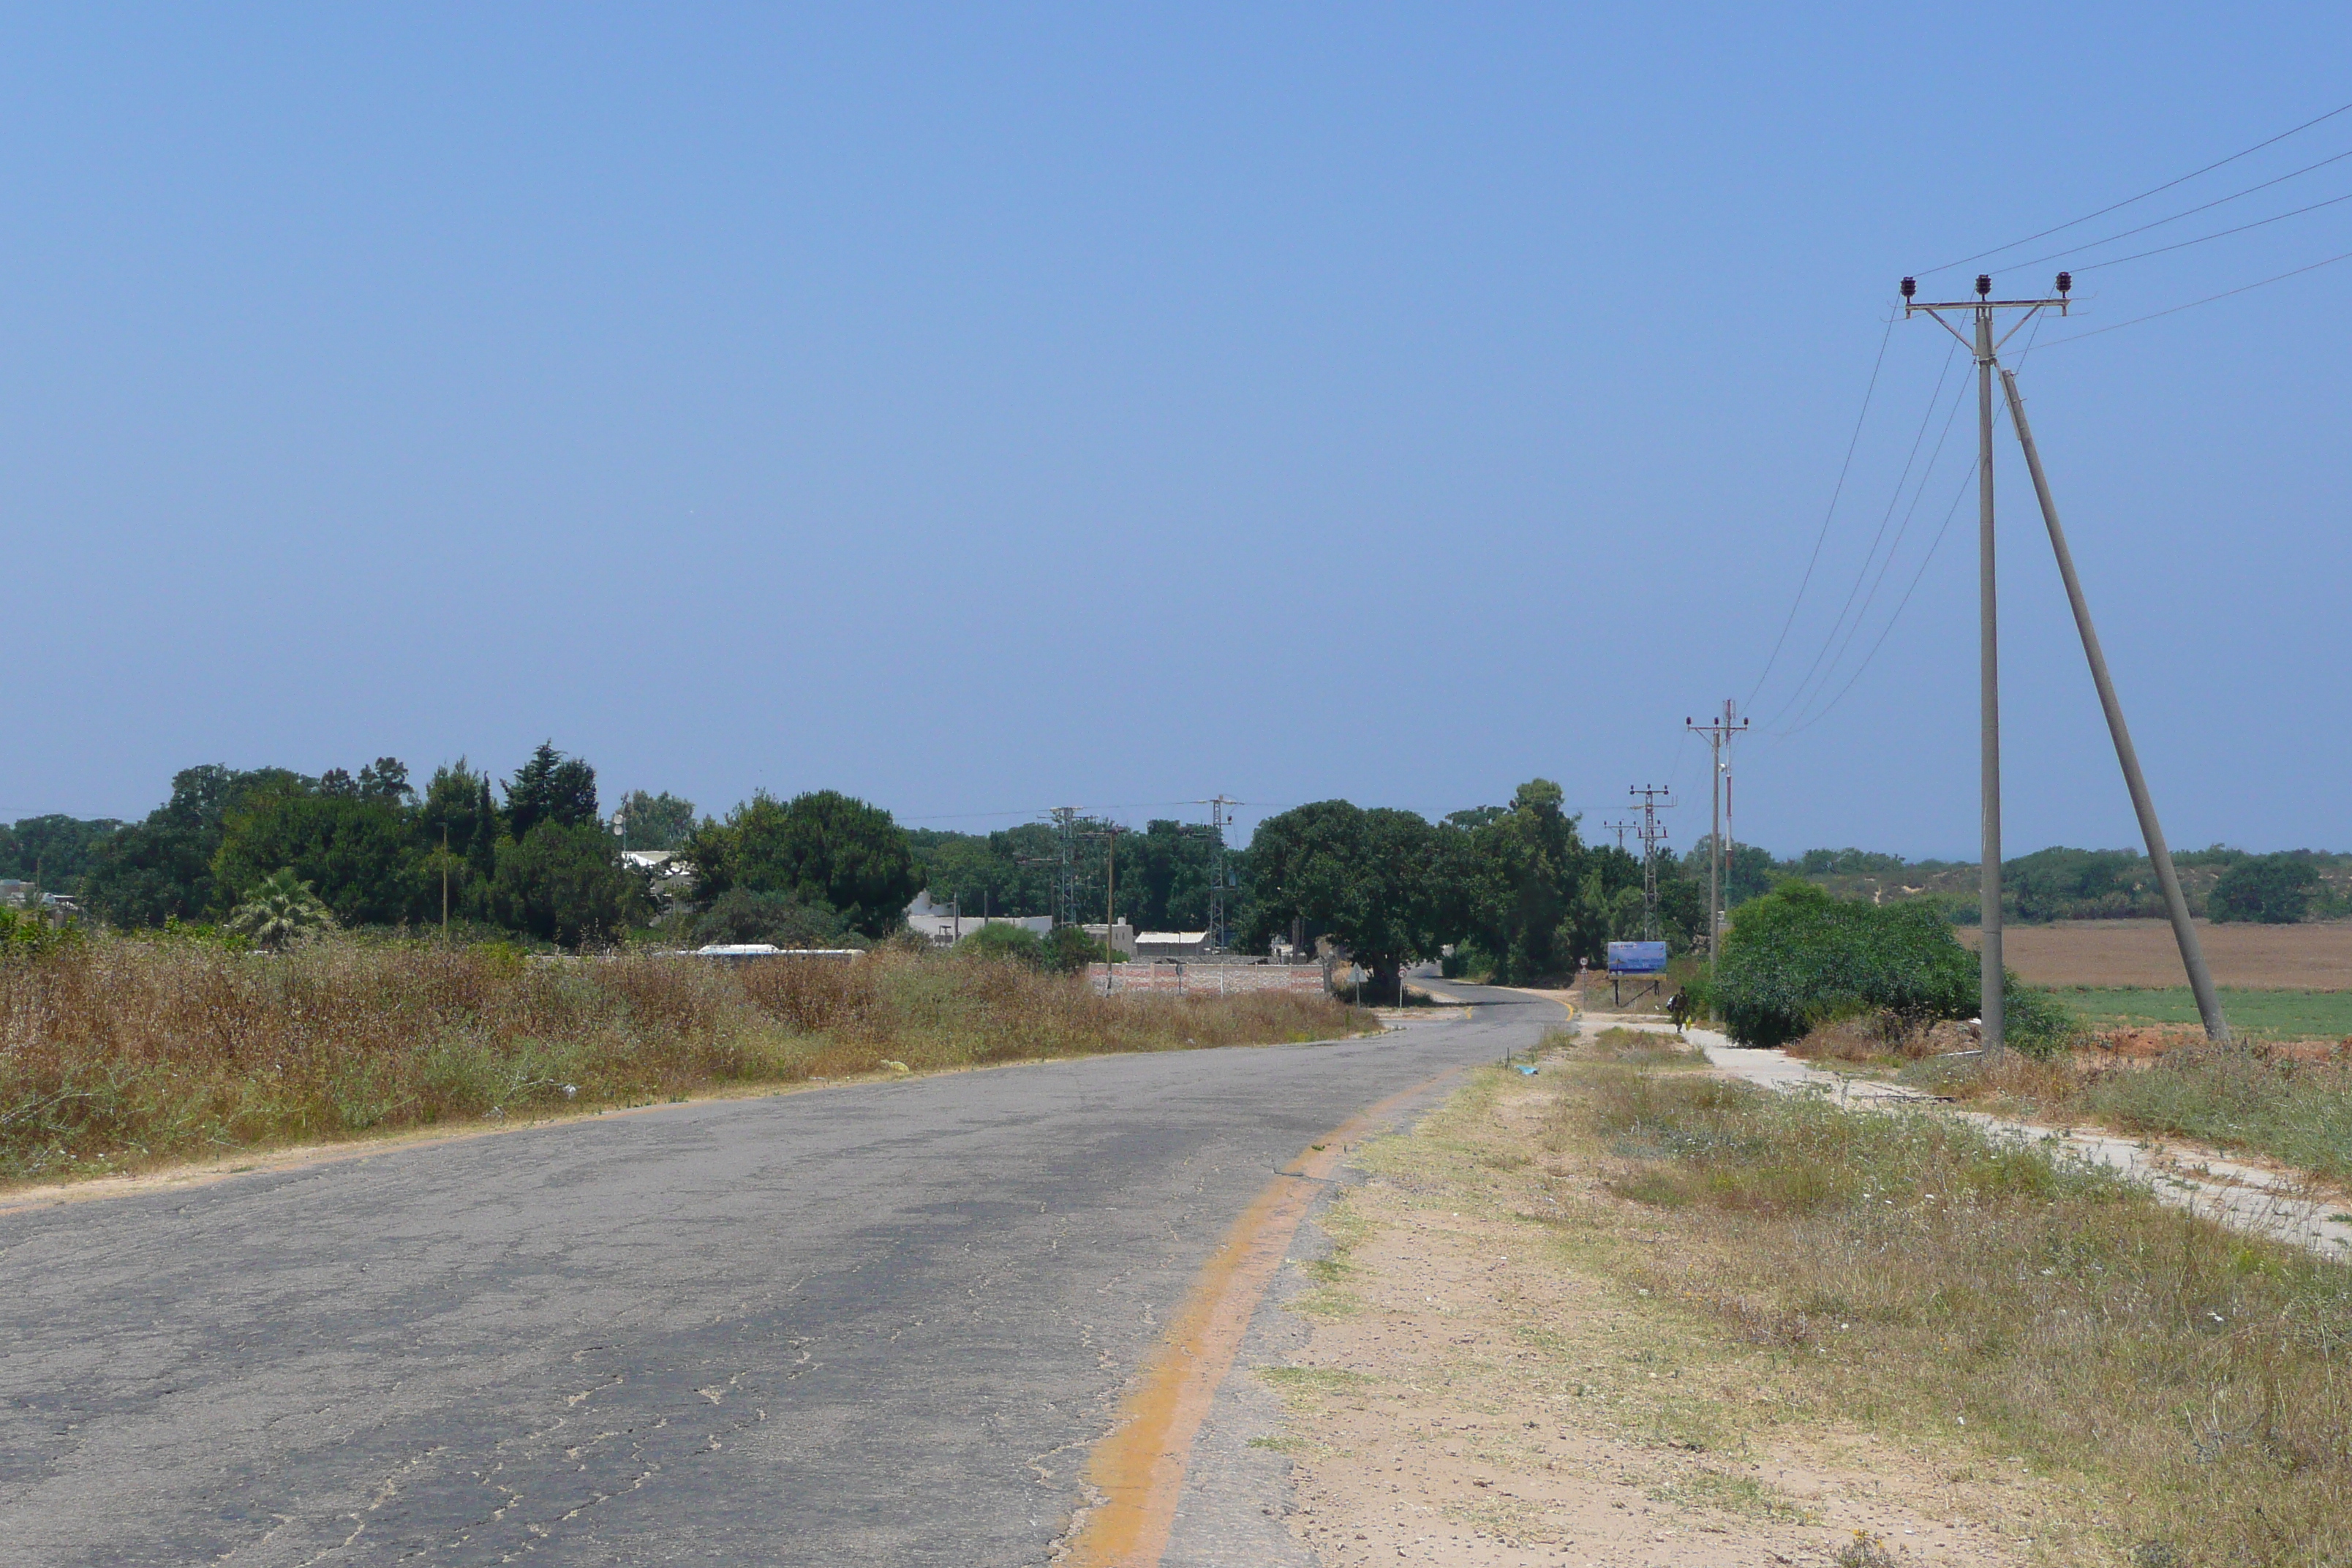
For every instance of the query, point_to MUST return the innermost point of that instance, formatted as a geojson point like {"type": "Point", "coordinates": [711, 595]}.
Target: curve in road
{"type": "Point", "coordinates": [878, 1323]}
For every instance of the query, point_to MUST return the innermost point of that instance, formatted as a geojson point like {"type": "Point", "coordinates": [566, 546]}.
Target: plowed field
{"type": "Point", "coordinates": [2141, 953]}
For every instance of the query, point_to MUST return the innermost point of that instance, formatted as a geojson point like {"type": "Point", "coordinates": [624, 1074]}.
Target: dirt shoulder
{"type": "Point", "coordinates": [1485, 1383]}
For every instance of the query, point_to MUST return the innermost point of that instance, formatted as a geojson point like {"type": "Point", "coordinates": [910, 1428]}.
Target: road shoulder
{"type": "Point", "coordinates": [1482, 1383]}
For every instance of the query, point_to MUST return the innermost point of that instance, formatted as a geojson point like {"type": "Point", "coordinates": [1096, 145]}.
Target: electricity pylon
{"type": "Point", "coordinates": [1654, 833]}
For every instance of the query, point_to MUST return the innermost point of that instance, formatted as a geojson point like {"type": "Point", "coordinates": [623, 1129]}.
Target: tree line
{"type": "Point", "coordinates": [531, 856]}
{"type": "Point", "coordinates": [1513, 890]}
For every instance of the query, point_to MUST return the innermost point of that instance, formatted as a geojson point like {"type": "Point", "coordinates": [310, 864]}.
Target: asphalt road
{"type": "Point", "coordinates": [869, 1324]}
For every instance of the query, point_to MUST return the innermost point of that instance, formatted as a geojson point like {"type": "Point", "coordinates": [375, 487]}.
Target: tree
{"type": "Point", "coordinates": [58, 851]}
{"type": "Point", "coordinates": [161, 869]}
{"type": "Point", "coordinates": [357, 855]}
{"type": "Point", "coordinates": [1163, 877]}
{"type": "Point", "coordinates": [655, 821]}
{"type": "Point", "coordinates": [2059, 884]}
{"type": "Point", "coordinates": [457, 810]}
{"type": "Point", "coordinates": [2269, 889]}
{"type": "Point", "coordinates": [551, 787]}
{"type": "Point", "coordinates": [821, 848]}
{"type": "Point", "coordinates": [280, 911]}
{"type": "Point", "coordinates": [565, 883]}
{"type": "Point", "coordinates": [1009, 872]}
{"type": "Point", "coordinates": [1517, 881]}
{"type": "Point", "coordinates": [1370, 878]}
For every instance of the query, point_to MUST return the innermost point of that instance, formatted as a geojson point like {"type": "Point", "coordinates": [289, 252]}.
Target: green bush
{"type": "Point", "coordinates": [1002, 942]}
{"type": "Point", "coordinates": [2035, 1022]}
{"type": "Point", "coordinates": [2268, 889]}
{"type": "Point", "coordinates": [1069, 950]}
{"type": "Point", "coordinates": [25, 934]}
{"type": "Point", "coordinates": [1798, 957]}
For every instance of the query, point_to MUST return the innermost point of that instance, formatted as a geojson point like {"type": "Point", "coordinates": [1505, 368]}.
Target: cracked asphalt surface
{"type": "Point", "coordinates": [875, 1323]}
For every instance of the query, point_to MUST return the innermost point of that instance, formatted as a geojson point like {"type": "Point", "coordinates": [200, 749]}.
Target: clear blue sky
{"type": "Point", "coordinates": [980, 409]}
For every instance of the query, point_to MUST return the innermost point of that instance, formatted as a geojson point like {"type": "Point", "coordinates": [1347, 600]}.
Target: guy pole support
{"type": "Point", "coordinates": [2192, 954]}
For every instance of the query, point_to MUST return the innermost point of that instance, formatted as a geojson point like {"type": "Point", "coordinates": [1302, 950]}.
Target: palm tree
{"type": "Point", "coordinates": [281, 910]}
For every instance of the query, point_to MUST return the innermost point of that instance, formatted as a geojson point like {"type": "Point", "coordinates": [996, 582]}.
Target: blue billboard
{"type": "Point", "coordinates": [1637, 958]}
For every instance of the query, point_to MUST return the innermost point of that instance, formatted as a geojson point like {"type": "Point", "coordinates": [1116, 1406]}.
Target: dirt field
{"type": "Point", "coordinates": [2316, 957]}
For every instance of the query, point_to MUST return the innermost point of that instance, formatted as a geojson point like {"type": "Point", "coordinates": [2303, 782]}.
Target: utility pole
{"type": "Point", "coordinates": [1654, 833]}
{"type": "Point", "coordinates": [1984, 349]}
{"type": "Point", "coordinates": [1065, 878]}
{"type": "Point", "coordinates": [445, 884]}
{"type": "Point", "coordinates": [1111, 832]}
{"type": "Point", "coordinates": [1620, 829]}
{"type": "Point", "coordinates": [2159, 856]}
{"type": "Point", "coordinates": [1718, 733]}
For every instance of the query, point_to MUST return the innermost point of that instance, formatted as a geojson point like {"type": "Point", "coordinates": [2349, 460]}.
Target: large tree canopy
{"type": "Point", "coordinates": [821, 848]}
{"type": "Point", "coordinates": [2270, 890]}
{"type": "Point", "coordinates": [163, 868]}
{"type": "Point", "coordinates": [56, 850]}
{"type": "Point", "coordinates": [1370, 878]}
{"type": "Point", "coordinates": [358, 852]}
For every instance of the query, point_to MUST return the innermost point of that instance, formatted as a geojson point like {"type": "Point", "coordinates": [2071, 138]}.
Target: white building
{"type": "Point", "coordinates": [1171, 944]}
{"type": "Point", "coordinates": [946, 927]}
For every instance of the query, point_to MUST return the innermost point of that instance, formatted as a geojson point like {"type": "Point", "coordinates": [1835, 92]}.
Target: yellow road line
{"type": "Point", "coordinates": [1138, 1468]}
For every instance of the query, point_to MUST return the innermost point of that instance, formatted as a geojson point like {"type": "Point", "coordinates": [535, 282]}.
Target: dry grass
{"type": "Point", "coordinates": [1921, 1274]}
{"type": "Point", "coordinates": [115, 1053]}
{"type": "Point", "coordinates": [1627, 1048]}
{"type": "Point", "coordinates": [2259, 1100]}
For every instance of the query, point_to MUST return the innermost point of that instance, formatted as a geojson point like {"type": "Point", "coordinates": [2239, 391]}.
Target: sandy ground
{"type": "Point", "coordinates": [2311, 957]}
{"type": "Point", "coordinates": [1471, 1393]}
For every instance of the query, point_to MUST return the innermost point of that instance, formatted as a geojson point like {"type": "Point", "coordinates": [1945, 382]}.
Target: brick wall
{"type": "Point", "coordinates": [1209, 979]}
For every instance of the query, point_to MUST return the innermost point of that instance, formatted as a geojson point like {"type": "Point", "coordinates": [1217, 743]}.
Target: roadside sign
{"type": "Point", "coordinates": [1637, 958]}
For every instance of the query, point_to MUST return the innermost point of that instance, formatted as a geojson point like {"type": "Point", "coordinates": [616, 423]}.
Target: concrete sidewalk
{"type": "Point", "coordinates": [2253, 1198]}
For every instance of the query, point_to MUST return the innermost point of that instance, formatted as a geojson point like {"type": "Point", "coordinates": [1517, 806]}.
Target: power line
{"type": "Point", "coordinates": [2176, 217]}
{"type": "Point", "coordinates": [1927, 416]}
{"type": "Point", "coordinates": [2218, 234]}
{"type": "Point", "coordinates": [1837, 490]}
{"type": "Point", "coordinates": [1903, 532]}
{"type": "Point", "coordinates": [2128, 201]}
{"type": "Point", "coordinates": [2210, 298]}
{"type": "Point", "coordinates": [1901, 605]}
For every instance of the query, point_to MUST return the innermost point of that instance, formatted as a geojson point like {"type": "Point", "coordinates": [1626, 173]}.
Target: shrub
{"type": "Point", "coordinates": [1005, 941]}
{"type": "Point", "coordinates": [2268, 889]}
{"type": "Point", "coordinates": [1069, 950]}
{"type": "Point", "coordinates": [1797, 957]}
{"type": "Point", "coordinates": [739, 915]}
